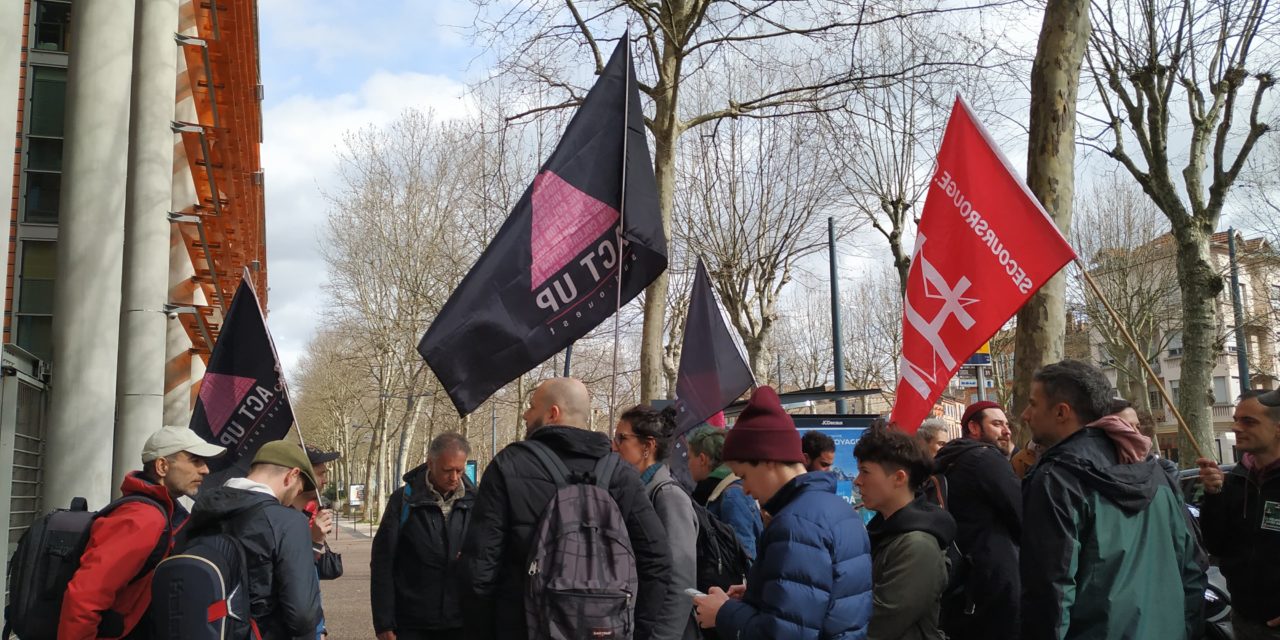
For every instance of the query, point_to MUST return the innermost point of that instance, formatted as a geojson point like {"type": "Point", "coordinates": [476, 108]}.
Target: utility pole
{"type": "Point", "coordinates": [837, 352]}
{"type": "Point", "coordinates": [1237, 306]}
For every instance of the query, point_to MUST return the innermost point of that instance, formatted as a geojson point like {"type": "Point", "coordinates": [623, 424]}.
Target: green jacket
{"type": "Point", "coordinates": [909, 571]}
{"type": "Point", "coordinates": [1107, 549]}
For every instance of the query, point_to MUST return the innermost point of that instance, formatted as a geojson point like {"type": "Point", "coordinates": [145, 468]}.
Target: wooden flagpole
{"type": "Point", "coordinates": [1142, 358]}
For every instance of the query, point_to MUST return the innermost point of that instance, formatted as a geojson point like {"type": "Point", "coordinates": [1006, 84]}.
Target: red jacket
{"type": "Point", "coordinates": [119, 544]}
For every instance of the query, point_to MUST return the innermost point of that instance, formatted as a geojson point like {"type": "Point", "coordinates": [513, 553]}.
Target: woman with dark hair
{"type": "Point", "coordinates": [642, 439]}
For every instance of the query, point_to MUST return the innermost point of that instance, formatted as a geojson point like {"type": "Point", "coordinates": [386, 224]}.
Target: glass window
{"type": "Point", "coordinates": [34, 311]}
{"type": "Point", "coordinates": [48, 101]}
{"type": "Point", "coordinates": [1220, 393]}
{"type": "Point", "coordinates": [44, 154]}
{"type": "Point", "coordinates": [43, 191]}
{"type": "Point", "coordinates": [1173, 391]}
{"type": "Point", "coordinates": [53, 20]}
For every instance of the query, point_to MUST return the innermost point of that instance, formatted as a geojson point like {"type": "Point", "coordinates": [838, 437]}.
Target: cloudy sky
{"type": "Point", "coordinates": [330, 66]}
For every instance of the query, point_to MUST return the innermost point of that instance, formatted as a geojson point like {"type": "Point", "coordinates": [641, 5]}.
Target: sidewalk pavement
{"type": "Point", "coordinates": [346, 600]}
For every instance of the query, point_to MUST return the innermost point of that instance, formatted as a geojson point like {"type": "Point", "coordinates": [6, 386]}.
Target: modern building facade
{"type": "Point", "coordinates": [136, 205]}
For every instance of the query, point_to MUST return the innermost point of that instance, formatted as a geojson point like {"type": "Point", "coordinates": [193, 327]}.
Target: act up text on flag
{"type": "Point", "coordinates": [984, 246]}
{"type": "Point", "coordinates": [243, 402]}
{"type": "Point", "coordinates": [550, 274]}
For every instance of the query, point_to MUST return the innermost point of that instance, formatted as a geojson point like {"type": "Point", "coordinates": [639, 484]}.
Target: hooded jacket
{"type": "Point", "coordinates": [415, 558]}
{"type": "Point", "coordinates": [812, 575]}
{"type": "Point", "coordinates": [909, 571]}
{"type": "Point", "coordinates": [513, 493]}
{"type": "Point", "coordinates": [1107, 550]}
{"type": "Point", "coordinates": [1241, 527]}
{"type": "Point", "coordinates": [284, 591]}
{"type": "Point", "coordinates": [103, 594]}
{"type": "Point", "coordinates": [984, 497]}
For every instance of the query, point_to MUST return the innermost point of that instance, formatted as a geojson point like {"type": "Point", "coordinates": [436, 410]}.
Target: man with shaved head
{"type": "Point", "coordinates": [513, 494]}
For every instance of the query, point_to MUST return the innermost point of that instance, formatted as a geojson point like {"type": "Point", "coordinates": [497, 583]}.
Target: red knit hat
{"type": "Point", "coordinates": [973, 410]}
{"type": "Point", "coordinates": [763, 432]}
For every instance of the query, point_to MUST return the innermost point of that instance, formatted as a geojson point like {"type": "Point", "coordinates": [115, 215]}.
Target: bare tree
{"type": "Point", "coordinates": [1260, 210]}
{"type": "Point", "coordinates": [1216, 60]}
{"type": "Point", "coordinates": [872, 314]}
{"type": "Point", "coordinates": [678, 40]}
{"type": "Point", "coordinates": [883, 138]}
{"type": "Point", "coordinates": [392, 263]}
{"type": "Point", "coordinates": [754, 198]}
{"type": "Point", "coordinates": [1055, 84]}
{"type": "Point", "coordinates": [803, 339]}
{"type": "Point", "coordinates": [1123, 240]}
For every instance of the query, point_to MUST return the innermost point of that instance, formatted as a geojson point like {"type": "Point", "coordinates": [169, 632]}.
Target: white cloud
{"type": "Point", "coordinates": [302, 134]}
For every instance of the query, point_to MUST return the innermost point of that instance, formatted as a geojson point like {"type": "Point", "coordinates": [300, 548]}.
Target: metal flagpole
{"type": "Point", "coordinates": [1133, 344]}
{"type": "Point", "coordinates": [622, 220]}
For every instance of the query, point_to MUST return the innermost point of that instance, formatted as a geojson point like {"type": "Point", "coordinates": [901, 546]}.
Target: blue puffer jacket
{"type": "Point", "coordinates": [812, 578]}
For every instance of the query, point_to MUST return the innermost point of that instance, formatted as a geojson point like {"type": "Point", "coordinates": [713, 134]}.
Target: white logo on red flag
{"type": "Point", "coordinates": [992, 246]}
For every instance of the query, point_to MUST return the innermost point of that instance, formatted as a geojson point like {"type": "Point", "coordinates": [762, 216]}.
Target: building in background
{"type": "Point", "coordinates": [136, 203]}
{"type": "Point", "coordinates": [1259, 269]}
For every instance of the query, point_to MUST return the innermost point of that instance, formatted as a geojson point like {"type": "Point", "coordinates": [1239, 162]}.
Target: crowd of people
{"type": "Point", "coordinates": [573, 533]}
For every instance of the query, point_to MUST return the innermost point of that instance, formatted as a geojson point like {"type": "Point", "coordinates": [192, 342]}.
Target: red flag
{"type": "Point", "coordinates": [984, 245]}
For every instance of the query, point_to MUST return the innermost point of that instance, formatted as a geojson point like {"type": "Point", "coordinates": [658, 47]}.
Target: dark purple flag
{"type": "Point", "coordinates": [243, 402]}
{"type": "Point", "coordinates": [550, 274]}
{"type": "Point", "coordinates": [713, 365]}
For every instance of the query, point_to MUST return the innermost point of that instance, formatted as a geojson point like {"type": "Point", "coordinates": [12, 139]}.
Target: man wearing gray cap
{"type": "Point", "coordinates": [110, 592]}
{"type": "Point", "coordinates": [284, 593]}
{"type": "Point", "coordinates": [1240, 517]}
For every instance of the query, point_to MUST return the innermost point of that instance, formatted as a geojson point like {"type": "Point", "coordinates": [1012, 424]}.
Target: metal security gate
{"type": "Point", "coordinates": [23, 399]}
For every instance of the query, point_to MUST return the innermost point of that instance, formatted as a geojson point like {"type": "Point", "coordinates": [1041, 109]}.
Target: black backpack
{"type": "Point", "coordinates": [582, 578]}
{"type": "Point", "coordinates": [202, 592]}
{"type": "Point", "coordinates": [722, 561]}
{"type": "Point", "coordinates": [955, 596]}
{"type": "Point", "coordinates": [48, 556]}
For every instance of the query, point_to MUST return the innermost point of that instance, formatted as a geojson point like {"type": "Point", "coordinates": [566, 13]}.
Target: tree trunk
{"type": "Point", "coordinates": [901, 259]}
{"type": "Point", "coordinates": [1055, 83]}
{"type": "Point", "coordinates": [406, 441]}
{"type": "Point", "coordinates": [666, 132]}
{"type": "Point", "coordinates": [1200, 284]}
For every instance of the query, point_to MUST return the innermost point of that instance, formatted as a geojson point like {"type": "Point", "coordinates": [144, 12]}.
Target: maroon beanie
{"type": "Point", "coordinates": [763, 432]}
{"type": "Point", "coordinates": [973, 410]}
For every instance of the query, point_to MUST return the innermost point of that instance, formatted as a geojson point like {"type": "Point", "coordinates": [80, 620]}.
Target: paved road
{"type": "Point", "coordinates": [346, 600]}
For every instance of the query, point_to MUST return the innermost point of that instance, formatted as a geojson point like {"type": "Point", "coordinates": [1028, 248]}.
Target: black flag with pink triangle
{"type": "Point", "coordinates": [243, 402]}
{"type": "Point", "coordinates": [550, 275]}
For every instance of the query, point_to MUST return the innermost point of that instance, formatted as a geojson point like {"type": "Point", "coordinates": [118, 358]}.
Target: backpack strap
{"type": "Point", "coordinates": [720, 488]}
{"type": "Point", "coordinates": [166, 538]}
{"type": "Point", "coordinates": [940, 489]}
{"type": "Point", "coordinates": [604, 470]}
{"type": "Point", "coordinates": [404, 504]}
{"type": "Point", "coordinates": [549, 460]}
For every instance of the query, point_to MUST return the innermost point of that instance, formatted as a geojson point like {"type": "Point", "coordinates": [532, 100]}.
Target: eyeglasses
{"type": "Point", "coordinates": [620, 438]}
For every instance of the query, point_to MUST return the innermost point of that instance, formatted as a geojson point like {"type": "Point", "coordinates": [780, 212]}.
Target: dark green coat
{"type": "Point", "coordinates": [909, 571]}
{"type": "Point", "coordinates": [1107, 550]}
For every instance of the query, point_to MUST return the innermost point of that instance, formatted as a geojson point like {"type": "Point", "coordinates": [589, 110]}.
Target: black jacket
{"type": "Point", "coordinates": [1246, 540]}
{"type": "Point", "coordinates": [415, 558]}
{"type": "Point", "coordinates": [513, 493]}
{"type": "Point", "coordinates": [984, 497]}
{"type": "Point", "coordinates": [283, 589]}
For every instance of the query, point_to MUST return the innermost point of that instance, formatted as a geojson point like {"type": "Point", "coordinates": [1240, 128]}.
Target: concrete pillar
{"type": "Point", "coordinates": [86, 302]}
{"type": "Point", "coordinates": [146, 231]}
